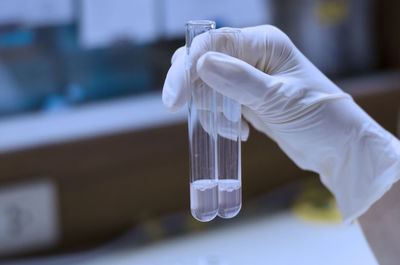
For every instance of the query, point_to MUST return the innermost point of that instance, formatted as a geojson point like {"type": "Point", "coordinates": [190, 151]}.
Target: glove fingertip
{"type": "Point", "coordinates": [245, 131]}
{"type": "Point", "coordinates": [178, 53]}
{"type": "Point", "coordinates": [169, 101]}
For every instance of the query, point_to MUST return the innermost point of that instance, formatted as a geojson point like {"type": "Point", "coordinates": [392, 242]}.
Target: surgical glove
{"type": "Point", "coordinates": [313, 121]}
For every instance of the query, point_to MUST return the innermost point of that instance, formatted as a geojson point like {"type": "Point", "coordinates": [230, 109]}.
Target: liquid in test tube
{"type": "Point", "coordinates": [204, 199]}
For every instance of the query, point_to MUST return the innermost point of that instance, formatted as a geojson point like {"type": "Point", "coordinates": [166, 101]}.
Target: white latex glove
{"type": "Point", "coordinates": [314, 122]}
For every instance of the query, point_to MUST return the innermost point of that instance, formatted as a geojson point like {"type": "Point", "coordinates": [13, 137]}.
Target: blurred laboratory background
{"type": "Point", "coordinates": [93, 170]}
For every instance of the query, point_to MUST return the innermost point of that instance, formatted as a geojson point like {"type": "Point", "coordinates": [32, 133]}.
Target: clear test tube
{"type": "Point", "coordinates": [228, 128]}
{"type": "Point", "coordinates": [201, 123]}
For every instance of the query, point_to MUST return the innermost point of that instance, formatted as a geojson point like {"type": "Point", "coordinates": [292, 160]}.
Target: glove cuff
{"type": "Point", "coordinates": [375, 185]}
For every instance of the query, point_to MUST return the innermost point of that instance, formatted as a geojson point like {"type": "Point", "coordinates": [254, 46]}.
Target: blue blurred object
{"type": "Point", "coordinates": [16, 38]}
{"type": "Point", "coordinates": [54, 103]}
{"type": "Point", "coordinates": [52, 71]}
{"type": "Point", "coordinates": [10, 97]}
{"type": "Point", "coordinates": [75, 93]}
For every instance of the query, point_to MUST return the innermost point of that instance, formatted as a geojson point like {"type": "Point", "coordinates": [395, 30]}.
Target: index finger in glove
{"type": "Point", "coordinates": [176, 91]}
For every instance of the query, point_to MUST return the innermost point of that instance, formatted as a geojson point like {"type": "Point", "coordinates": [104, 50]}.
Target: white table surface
{"type": "Point", "coordinates": [276, 239]}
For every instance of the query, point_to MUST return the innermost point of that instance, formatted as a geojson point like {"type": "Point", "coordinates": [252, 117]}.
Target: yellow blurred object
{"type": "Point", "coordinates": [316, 203]}
{"type": "Point", "coordinates": [332, 11]}
{"type": "Point", "coordinates": [154, 230]}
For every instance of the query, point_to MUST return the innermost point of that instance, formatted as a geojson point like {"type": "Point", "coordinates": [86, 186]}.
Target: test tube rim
{"type": "Point", "coordinates": [200, 22]}
{"type": "Point", "coordinates": [225, 31]}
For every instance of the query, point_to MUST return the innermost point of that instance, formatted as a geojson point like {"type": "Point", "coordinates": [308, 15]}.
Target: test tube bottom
{"type": "Point", "coordinates": [230, 197]}
{"type": "Point", "coordinates": [204, 199]}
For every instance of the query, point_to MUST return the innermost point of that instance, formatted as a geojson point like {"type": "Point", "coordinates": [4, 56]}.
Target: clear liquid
{"type": "Point", "coordinates": [230, 197]}
{"type": "Point", "coordinates": [204, 199]}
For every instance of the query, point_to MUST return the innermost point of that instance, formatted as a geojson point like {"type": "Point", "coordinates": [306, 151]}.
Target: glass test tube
{"type": "Point", "coordinates": [201, 123]}
{"type": "Point", "coordinates": [228, 128]}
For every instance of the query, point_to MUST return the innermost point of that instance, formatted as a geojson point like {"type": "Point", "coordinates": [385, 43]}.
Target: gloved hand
{"type": "Point", "coordinates": [314, 122]}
